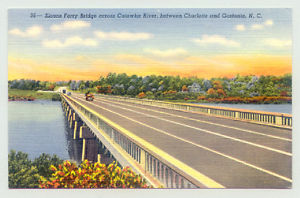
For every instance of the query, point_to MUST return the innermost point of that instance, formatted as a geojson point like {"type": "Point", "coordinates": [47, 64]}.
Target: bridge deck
{"type": "Point", "coordinates": [233, 153]}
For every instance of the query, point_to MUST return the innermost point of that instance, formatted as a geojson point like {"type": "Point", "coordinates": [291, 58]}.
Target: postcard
{"type": "Point", "coordinates": [170, 98]}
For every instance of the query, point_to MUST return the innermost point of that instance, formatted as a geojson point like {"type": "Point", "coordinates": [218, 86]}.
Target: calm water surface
{"type": "Point", "coordinates": [279, 108]}
{"type": "Point", "coordinates": [37, 127]}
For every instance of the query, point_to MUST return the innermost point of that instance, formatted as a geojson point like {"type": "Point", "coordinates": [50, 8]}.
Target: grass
{"type": "Point", "coordinates": [34, 94]}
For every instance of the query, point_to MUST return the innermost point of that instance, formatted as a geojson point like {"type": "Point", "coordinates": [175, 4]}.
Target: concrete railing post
{"type": "Point", "coordinates": [278, 120]}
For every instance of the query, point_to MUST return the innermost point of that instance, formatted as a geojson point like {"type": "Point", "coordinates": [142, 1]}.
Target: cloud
{"type": "Point", "coordinates": [70, 25]}
{"type": "Point", "coordinates": [71, 41]}
{"type": "Point", "coordinates": [166, 53]}
{"type": "Point", "coordinates": [216, 39]}
{"type": "Point", "coordinates": [123, 36]}
{"type": "Point", "coordinates": [32, 31]}
{"type": "Point", "coordinates": [268, 22]}
{"type": "Point", "coordinates": [257, 27]}
{"type": "Point", "coordinates": [240, 28]}
{"type": "Point", "coordinates": [273, 42]}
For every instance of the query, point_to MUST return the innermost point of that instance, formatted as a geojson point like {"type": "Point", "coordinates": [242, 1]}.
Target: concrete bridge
{"type": "Point", "coordinates": [184, 145]}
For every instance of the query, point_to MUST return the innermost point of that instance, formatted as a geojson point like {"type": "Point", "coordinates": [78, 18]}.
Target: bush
{"type": "Point", "coordinates": [141, 95]}
{"type": "Point", "coordinates": [43, 163]}
{"type": "Point", "coordinates": [92, 175]}
{"type": "Point", "coordinates": [21, 172]}
{"type": "Point", "coordinates": [55, 97]}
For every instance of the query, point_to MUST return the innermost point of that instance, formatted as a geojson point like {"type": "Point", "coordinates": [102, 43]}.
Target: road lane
{"type": "Point", "coordinates": [280, 132]}
{"type": "Point", "coordinates": [208, 162]}
{"type": "Point", "coordinates": [251, 136]}
{"type": "Point", "coordinates": [232, 148]}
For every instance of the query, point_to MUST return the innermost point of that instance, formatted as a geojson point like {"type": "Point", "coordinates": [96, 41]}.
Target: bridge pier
{"type": "Point", "coordinates": [75, 124]}
{"type": "Point", "coordinates": [90, 148]}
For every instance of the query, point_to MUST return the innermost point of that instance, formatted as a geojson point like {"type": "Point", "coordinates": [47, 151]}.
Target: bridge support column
{"type": "Point", "coordinates": [90, 150]}
{"type": "Point", "coordinates": [70, 121]}
{"type": "Point", "coordinates": [99, 158]}
{"type": "Point", "coordinates": [77, 127]}
{"type": "Point", "coordinates": [67, 110]}
{"type": "Point", "coordinates": [69, 114]}
{"type": "Point", "coordinates": [75, 123]}
{"type": "Point", "coordinates": [89, 145]}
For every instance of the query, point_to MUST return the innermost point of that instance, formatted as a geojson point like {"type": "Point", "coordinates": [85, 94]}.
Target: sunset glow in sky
{"type": "Point", "coordinates": [84, 49]}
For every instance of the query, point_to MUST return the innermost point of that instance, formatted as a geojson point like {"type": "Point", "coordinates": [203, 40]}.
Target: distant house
{"type": "Point", "coordinates": [160, 88]}
{"type": "Point", "coordinates": [153, 89]}
{"type": "Point", "coordinates": [194, 88]}
{"type": "Point", "coordinates": [133, 80]}
{"type": "Point", "coordinates": [146, 79]}
{"type": "Point", "coordinates": [207, 84]}
{"type": "Point", "coordinates": [131, 88]}
{"type": "Point", "coordinates": [254, 79]}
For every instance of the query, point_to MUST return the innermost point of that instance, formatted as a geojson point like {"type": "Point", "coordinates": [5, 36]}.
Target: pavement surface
{"type": "Point", "coordinates": [233, 153]}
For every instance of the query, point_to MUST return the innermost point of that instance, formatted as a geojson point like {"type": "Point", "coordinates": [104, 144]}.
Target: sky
{"type": "Point", "coordinates": [74, 47]}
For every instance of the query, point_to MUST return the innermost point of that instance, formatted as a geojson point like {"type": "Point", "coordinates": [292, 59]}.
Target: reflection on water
{"type": "Point", "coordinates": [38, 127]}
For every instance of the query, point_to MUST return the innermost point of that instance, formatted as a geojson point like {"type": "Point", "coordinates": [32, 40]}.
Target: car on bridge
{"type": "Point", "coordinates": [89, 96]}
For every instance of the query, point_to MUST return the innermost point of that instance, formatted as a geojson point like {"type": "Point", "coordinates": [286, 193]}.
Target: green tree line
{"type": "Point", "coordinates": [173, 87]}
{"type": "Point", "coordinates": [27, 84]}
{"type": "Point", "coordinates": [176, 87]}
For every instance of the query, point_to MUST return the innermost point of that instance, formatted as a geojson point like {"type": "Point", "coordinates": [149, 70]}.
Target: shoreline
{"type": "Point", "coordinates": [31, 95]}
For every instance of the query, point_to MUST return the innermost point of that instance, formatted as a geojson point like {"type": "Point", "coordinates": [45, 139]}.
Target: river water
{"type": "Point", "coordinates": [39, 126]}
{"type": "Point", "coordinates": [278, 108]}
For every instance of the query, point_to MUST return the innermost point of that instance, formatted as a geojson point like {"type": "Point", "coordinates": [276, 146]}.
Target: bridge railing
{"type": "Point", "coordinates": [275, 119]}
{"type": "Point", "coordinates": [169, 171]}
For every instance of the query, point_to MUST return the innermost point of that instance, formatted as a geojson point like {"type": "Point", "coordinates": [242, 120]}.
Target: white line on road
{"type": "Point", "coordinates": [205, 131]}
{"type": "Point", "coordinates": [198, 145]}
{"type": "Point", "coordinates": [206, 122]}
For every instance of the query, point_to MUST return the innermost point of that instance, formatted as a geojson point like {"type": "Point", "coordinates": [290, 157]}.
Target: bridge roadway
{"type": "Point", "coordinates": [234, 154]}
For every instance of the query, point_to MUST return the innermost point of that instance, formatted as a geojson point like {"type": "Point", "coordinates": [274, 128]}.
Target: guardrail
{"type": "Point", "coordinates": [275, 119]}
{"type": "Point", "coordinates": [169, 171]}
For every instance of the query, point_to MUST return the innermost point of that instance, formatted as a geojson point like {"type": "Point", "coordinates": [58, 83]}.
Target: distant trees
{"type": "Point", "coordinates": [174, 87]}
{"type": "Point", "coordinates": [34, 84]}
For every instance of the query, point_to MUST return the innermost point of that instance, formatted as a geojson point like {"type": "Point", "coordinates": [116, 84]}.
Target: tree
{"type": "Point", "coordinates": [221, 93]}
{"type": "Point", "coordinates": [184, 88]}
{"type": "Point", "coordinates": [51, 87]}
{"type": "Point", "coordinates": [211, 92]}
{"type": "Point", "coordinates": [43, 163]}
{"type": "Point", "coordinates": [21, 173]}
{"type": "Point", "coordinates": [150, 94]}
{"type": "Point", "coordinates": [217, 85]}
{"type": "Point", "coordinates": [141, 95]}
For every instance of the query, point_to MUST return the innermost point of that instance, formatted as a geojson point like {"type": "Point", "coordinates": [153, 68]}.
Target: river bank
{"type": "Point", "coordinates": [30, 95]}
